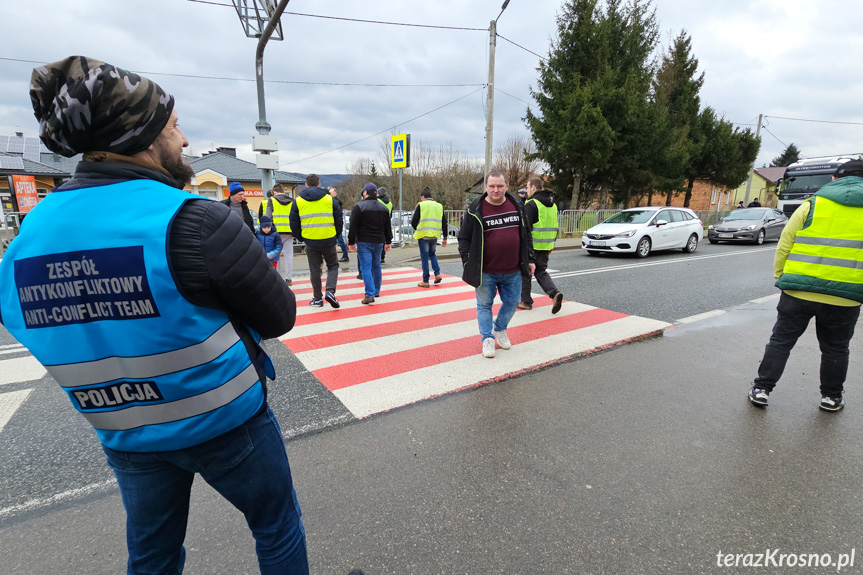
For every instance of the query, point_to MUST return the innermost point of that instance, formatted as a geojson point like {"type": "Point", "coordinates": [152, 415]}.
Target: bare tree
{"type": "Point", "coordinates": [512, 157]}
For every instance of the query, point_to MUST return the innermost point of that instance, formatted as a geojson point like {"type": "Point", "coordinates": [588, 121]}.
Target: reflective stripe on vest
{"type": "Point", "coordinates": [431, 220]}
{"type": "Point", "coordinates": [827, 255]}
{"type": "Point", "coordinates": [316, 218]}
{"type": "Point", "coordinates": [150, 370]}
{"type": "Point", "coordinates": [281, 215]}
{"type": "Point", "coordinates": [544, 232]}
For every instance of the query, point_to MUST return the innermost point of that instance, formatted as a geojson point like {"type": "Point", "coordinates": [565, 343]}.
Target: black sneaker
{"type": "Point", "coordinates": [331, 299]}
{"type": "Point", "coordinates": [758, 396]}
{"type": "Point", "coordinates": [317, 303]}
{"type": "Point", "coordinates": [831, 403]}
{"type": "Point", "coordinates": [558, 301]}
{"type": "Point", "coordinates": [344, 259]}
{"type": "Point", "coordinates": [359, 276]}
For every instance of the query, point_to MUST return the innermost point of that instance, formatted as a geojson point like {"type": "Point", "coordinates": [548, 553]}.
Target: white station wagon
{"type": "Point", "coordinates": [642, 230]}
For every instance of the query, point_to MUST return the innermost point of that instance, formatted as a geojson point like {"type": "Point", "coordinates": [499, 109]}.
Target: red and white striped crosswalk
{"type": "Point", "coordinates": [415, 343]}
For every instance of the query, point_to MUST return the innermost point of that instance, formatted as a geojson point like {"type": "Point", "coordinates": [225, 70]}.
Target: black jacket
{"type": "Point", "coordinates": [247, 215]}
{"type": "Point", "coordinates": [313, 195]}
{"type": "Point", "coordinates": [370, 223]}
{"type": "Point", "coordinates": [471, 238]}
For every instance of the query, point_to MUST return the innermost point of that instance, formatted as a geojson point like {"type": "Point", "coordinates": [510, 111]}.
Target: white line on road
{"type": "Point", "coordinates": [58, 498]}
{"type": "Point", "coordinates": [700, 316]}
{"type": "Point", "coordinates": [20, 369]}
{"type": "Point", "coordinates": [766, 299]}
{"type": "Point", "coordinates": [11, 346]}
{"type": "Point", "coordinates": [9, 404]}
{"type": "Point", "coordinates": [663, 262]}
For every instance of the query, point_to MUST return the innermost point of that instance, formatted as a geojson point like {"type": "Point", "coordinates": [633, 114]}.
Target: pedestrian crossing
{"type": "Point", "coordinates": [16, 370]}
{"type": "Point", "coordinates": [416, 343]}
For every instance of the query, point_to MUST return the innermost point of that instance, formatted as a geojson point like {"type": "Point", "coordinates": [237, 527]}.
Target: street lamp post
{"type": "Point", "coordinates": [489, 107]}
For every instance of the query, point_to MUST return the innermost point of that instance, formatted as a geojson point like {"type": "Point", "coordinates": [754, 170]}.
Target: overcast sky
{"type": "Point", "coordinates": [782, 58]}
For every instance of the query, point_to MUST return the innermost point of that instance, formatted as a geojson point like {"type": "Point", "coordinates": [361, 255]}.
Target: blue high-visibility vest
{"type": "Point", "coordinates": [150, 370]}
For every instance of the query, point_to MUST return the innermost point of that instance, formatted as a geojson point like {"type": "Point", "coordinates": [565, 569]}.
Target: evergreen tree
{"type": "Point", "coordinates": [790, 155]}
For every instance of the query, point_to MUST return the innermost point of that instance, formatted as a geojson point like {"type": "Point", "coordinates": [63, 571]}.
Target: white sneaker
{"type": "Point", "coordinates": [488, 347]}
{"type": "Point", "coordinates": [502, 339]}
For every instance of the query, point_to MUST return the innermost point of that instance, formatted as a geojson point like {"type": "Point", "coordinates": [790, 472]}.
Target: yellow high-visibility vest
{"type": "Point", "coordinates": [316, 218]}
{"type": "Point", "coordinates": [431, 220]}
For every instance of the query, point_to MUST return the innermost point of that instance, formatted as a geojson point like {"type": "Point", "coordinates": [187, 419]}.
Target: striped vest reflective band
{"type": "Point", "coordinates": [827, 256]}
{"type": "Point", "coordinates": [389, 205]}
{"type": "Point", "coordinates": [544, 232]}
{"type": "Point", "coordinates": [431, 220]}
{"type": "Point", "coordinates": [280, 216]}
{"type": "Point", "coordinates": [316, 218]}
{"type": "Point", "coordinates": [100, 310]}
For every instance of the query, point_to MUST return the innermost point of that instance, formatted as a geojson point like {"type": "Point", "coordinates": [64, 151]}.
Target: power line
{"type": "Point", "coordinates": [382, 131]}
{"type": "Point", "coordinates": [511, 96]}
{"type": "Point", "coordinates": [357, 19]}
{"type": "Point", "coordinates": [817, 121]}
{"type": "Point", "coordinates": [774, 135]}
{"type": "Point", "coordinates": [523, 48]}
{"type": "Point", "coordinates": [199, 77]}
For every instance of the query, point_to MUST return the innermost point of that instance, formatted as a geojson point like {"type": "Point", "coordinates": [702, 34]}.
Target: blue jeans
{"type": "Point", "coordinates": [428, 246]}
{"type": "Point", "coordinates": [509, 288]}
{"type": "Point", "coordinates": [369, 256]}
{"type": "Point", "coordinates": [342, 245]}
{"type": "Point", "coordinates": [247, 466]}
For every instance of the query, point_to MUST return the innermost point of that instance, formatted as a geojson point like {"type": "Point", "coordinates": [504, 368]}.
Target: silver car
{"type": "Point", "coordinates": [751, 225]}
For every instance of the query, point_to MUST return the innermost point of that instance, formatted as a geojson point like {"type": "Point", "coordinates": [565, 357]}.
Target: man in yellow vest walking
{"type": "Point", "coordinates": [278, 207]}
{"type": "Point", "coordinates": [428, 223]}
{"type": "Point", "coordinates": [316, 219]}
{"type": "Point", "coordinates": [819, 268]}
{"type": "Point", "coordinates": [541, 212]}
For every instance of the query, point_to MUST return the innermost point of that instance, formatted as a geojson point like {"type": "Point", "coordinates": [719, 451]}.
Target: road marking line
{"type": "Point", "coordinates": [664, 262]}
{"type": "Point", "coordinates": [11, 346]}
{"type": "Point", "coordinates": [58, 498]}
{"type": "Point", "coordinates": [20, 369]}
{"type": "Point", "coordinates": [9, 404]}
{"type": "Point", "coordinates": [700, 316]}
{"type": "Point", "coordinates": [766, 299]}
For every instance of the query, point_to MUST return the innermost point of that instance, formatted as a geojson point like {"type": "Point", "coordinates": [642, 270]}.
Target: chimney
{"type": "Point", "coordinates": [19, 133]}
{"type": "Point", "coordinates": [228, 151]}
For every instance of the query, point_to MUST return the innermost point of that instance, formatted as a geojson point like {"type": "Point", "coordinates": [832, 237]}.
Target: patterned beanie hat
{"type": "Point", "coordinates": [84, 105]}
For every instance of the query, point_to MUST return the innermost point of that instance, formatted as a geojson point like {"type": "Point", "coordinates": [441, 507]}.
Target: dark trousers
{"type": "Point", "coordinates": [343, 245]}
{"type": "Point", "coordinates": [542, 278]}
{"type": "Point", "coordinates": [316, 257]}
{"type": "Point", "coordinates": [834, 326]}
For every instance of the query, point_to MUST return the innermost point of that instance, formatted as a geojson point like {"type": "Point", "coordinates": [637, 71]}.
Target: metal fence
{"type": "Point", "coordinates": [573, 222]}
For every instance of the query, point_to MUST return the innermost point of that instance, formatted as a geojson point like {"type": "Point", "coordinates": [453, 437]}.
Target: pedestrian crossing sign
{"type": "Point", "coordinates": [400, 151]}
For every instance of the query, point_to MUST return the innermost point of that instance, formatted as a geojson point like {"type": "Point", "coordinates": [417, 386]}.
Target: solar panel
{"type": "Point", "coordinates": [16, 145]}
{"type": "Point", "coordinates": [4, 141]}
{"type": "Point", "coordinates": [31, 149]}
{"type": "Point", "coordinates": [11, 163]}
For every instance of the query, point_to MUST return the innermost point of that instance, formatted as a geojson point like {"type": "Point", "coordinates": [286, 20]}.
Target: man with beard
{"type": "Point", "coordinates": [156, 338]}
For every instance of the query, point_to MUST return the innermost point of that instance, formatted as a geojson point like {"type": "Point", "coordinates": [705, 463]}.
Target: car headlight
{"type": "Point", "coordinates": [710, 227]}
{"type": "Point", "coordinates": [628, 234]}
{"type": "Point", "coordinates": [750, 227]}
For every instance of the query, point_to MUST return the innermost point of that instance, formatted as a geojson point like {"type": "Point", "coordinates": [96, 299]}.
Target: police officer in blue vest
{"type": "Point", "coordinates": [151, 322]}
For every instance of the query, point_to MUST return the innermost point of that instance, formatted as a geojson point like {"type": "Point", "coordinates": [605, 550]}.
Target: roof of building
{"type": "Point", "coordinates": [771, 174]}
{"type": "Point", "coordinates": [11, 164]}
{"type": "Point", "coordinates": [235, 169]}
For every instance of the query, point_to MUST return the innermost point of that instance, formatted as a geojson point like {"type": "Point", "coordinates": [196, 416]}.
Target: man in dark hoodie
{"type": "Point", "coordinates": [178, 352]}
{"type": "Point", "coordinates": [496, 251]}
{"type": "Point", "coordinates": [316, 219]}
{"type": "Point", "coordinates": [541, 213]}
{"type": "Point", "coordinates": [278, 207]}
{"type": "Point", "coordinates": [238, 204]}
{"type": "Point", "coordinates": [370, 235]}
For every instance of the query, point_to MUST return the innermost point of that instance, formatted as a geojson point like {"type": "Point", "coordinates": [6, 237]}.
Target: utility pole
{"type": "Point", "coordinates": [261, 21]}
{"type": "Point", "coordinates": [752, 171]}
{"type": "Point", "coordinates": [489, 106]}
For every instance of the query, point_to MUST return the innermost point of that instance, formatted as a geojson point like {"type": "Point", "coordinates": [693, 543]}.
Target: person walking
{"type": "Point", "coordinates": [819, 268]}
{"type": "Point", "coordinates": [370, 234]}
{"type": "Point", "coordinates": [278, 207]}
{"type": "Point", "coordinates": [428, 223]}
{"type": "Point", "coordinates": [270, 241]}
{"type": "Point", "coordinates": [316, 219]}
{"type": "Point", "coordinates": [541, 213]}
{"type": "Point", "coordinates": [340, 239]}
{"type": "Point", "coordinates": [169, 370]}
{"type": "Point", "coordinates": [496, 250]}
{"type": "Point", "coordinates": [385, 200]}
{"type": "Point", "coordinates": [238, 204]}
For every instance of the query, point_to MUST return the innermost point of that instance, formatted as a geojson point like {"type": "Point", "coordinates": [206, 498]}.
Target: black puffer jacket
{"type": "Point", "coordinates": [247, 215]}
{"type": "Point", "coordinates": [215, 260]}
{"type": "Point", "coordinates": [471, 238]}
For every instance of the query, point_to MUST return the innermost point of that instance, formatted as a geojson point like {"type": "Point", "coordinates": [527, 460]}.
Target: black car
{"type": "Point", "coordinates": [752, 225]}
